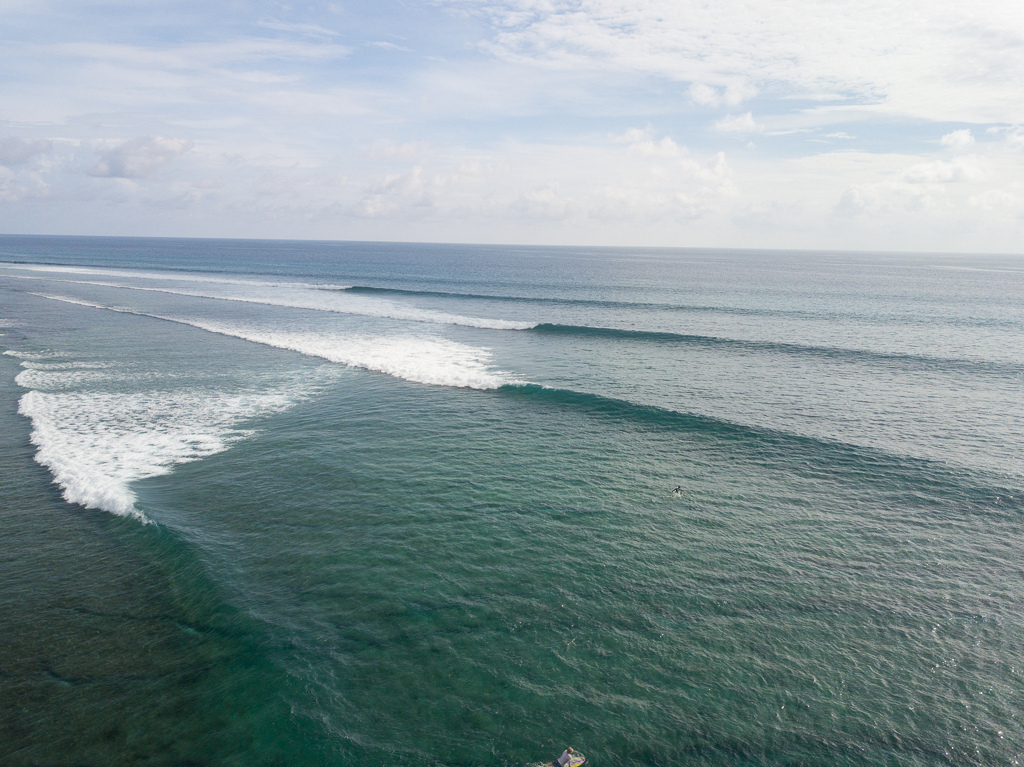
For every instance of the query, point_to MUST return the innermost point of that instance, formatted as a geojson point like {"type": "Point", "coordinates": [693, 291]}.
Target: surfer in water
{"type": "Point", "coordinates": [565, 758]}
{"type": "Point", "coordinates": [677, 491]}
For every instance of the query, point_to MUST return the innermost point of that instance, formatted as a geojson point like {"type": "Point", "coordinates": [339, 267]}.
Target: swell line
{"type": "Point", "coordinates": [816, 457]}
{"type": "Point", "coordinates": [382, 312]}
{"type": "Point", "coordinates": [154, 273]}
{"type": "Point", "coordinates": [601, 303]}
{"type": "Point", "coordinates": [681, 308]}
{"type": "Point", "coordinates": [830, 352]}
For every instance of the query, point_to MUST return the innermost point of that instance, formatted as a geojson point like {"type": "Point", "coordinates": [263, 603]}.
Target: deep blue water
{"type": "Point", "coordinates": [363, 503]}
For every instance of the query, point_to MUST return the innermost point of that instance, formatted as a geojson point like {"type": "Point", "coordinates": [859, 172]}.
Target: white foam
{"type": "Point", "coordinates": [50, 380]}
{"type": "Point", "coordinates": [418, 358]}
{"type": "Point", "coordinates": [96, 444]}
{"type": "Point", "coordinates": [23, 355]}
{"type": "Point", "coordinates": [169, 276]}
{"type": "Point", "coordinates": [74, 365]}
{"type": "Point", "coordinates": [313, 297]}
{"type": "Point", "coordinates": [79, 302]}
{"type": "Point", "coordinates": [67, 375]}
{"type": "Point", "coordinates": [342, 303]}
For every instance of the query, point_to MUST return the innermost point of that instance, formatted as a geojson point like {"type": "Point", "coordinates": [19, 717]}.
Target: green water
{"type": "Point", "coordinates": [388, 572]}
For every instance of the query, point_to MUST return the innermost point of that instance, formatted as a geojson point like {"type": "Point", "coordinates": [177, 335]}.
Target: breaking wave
{"type": "Point", "coordinates": [292, 295]}
{"type": "Point", "coordinates": [416, 358]}
{"type": "Point", "coordinates": [96, 443]}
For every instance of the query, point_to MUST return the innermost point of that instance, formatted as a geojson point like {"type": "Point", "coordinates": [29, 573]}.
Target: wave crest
{"type": "Point", "coordinates": [417, 358]}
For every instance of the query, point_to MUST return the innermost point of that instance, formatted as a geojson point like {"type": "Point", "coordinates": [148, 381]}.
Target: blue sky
{"type": "Point", "coordinates": [754, 123]}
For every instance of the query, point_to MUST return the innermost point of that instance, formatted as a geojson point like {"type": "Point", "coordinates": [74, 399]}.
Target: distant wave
{"type": "Point", "coordinates": [170, 275]}
{"type": "Point", "coordinates": [905, 360]}
{"type": "Point", "coordinates": [682, 308]}
{"type": "Point", "coordinates": [835, 352]}
{"type": "Point", "coordinates": [606, 303]}
{"type": "Point", "coordinates": [598, 404]}
{"type": "Point", "coordinates": [383, 310]}
{"type": "Point", "coordinates": [420, 359]}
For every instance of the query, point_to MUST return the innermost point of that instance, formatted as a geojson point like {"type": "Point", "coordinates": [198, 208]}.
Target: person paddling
{"type": "Point", "coordinates": [565, 758]}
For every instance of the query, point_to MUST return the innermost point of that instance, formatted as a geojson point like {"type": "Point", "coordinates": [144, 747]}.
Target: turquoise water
{"type": "Point", "coordinates": [355, 504]}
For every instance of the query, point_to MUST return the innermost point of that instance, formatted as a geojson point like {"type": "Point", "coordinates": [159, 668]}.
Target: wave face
{"type": "Point", "coordinates": [791, 450]}
{"type": "Point", "coordinates": [370, 504]}
{"type": "Point", "coordinates": [659, 337]}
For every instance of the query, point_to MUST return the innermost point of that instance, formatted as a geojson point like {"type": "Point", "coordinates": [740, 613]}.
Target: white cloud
{"type": "Point", "coordinates": [958, 139]}
{"type": "Point", "coordinates": [1013, 135]}
{"type": "Point", "coordinates": [520, 138]}
{"type": "Point", "coordinates": [732, 94]}
{"type": "Point", "coordinates": [1004, 199]}
{"type": "Point", "coordinates": [675, 163]}
{"type": "Point", "coordinates": [942, 172]}
{"type": "Point", "coordinates": [637, 176]}
{"type": "Point", "coordinates": [388, 46]}
{"type": "Point", "coordinates": [857, 201]}
{"type": "Point", "coordinates": [929, 190]}
{"type": "Point", "coordinates": [134, 81]}
{"type": "Point", "coordinates": [945, 60]}
{"type": "Point", "coordinates": [417, 192]}
{"type": "Point", "coordinates": [743, 123]}
{"type": "Point", "coordinates": [138, 158]}
{"type": "Point", "coordinates": [544, 201]}
{"type": "Point", "coordinates": [17, 187]}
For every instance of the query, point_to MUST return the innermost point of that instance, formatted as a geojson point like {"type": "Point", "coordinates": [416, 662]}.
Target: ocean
{"type": "Point", "coordinates": [315, 503]}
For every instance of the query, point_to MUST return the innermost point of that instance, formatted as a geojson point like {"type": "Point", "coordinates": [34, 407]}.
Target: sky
{"type": "Point", "coordinates": [835, 124]}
